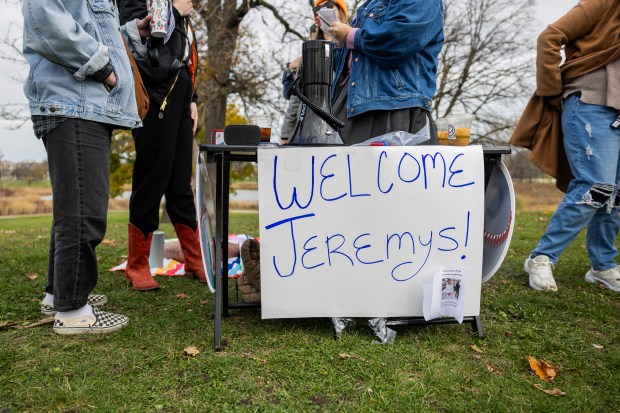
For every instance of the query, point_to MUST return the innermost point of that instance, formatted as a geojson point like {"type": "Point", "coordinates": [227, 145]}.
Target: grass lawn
{"type": "Point", "coordinates": [295, 365]}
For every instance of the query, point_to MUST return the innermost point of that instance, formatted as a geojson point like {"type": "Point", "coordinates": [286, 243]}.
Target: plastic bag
{"type": "Point", "coordinates": [400, 138]}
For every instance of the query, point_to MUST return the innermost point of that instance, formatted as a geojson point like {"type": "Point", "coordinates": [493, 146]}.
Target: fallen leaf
{"type": "Point", "coordinates": [476, 349]}
{"type": "Point", "coordinates": [477, 356]}
{"type": "Point", "coordinates": [108, 242]}
{"type": "Point", "coordinates": [509, 334]}
{"type": "Point", "coordinates": [597, 346]}
{"type": "Point", "coordinates": [5, 324]}
{"type": "Point", "coordinates": [182, 296]}
{"type": "Point", "coordinates": [543, 370]}
{"type": "Point", "coordinates": [46, 320]}
{"type": "Point", "coordinates": [191, 351]}
{"type": "Point", "coordinates": [9, 231]}
{"type": "Point", "coordinates": [548, 368]}
{"type": "Point", "coordinates": [553, 392]}
{"type": "Point", "coordinates": [344, 356]}
{"type": "Point", "coordinates": [32, 276]}
{"type": "Point", "coordinates": [205, 302]}
{"type": "Point", "coordinates": [494, 370]}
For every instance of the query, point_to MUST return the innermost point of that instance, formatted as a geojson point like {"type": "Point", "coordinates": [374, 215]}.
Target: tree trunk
{"type": "Point", "coordinates": [223, 20]}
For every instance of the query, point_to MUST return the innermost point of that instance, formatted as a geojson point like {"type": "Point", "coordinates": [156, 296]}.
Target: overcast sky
{"type": "Point", "coordinates": [19, 145]}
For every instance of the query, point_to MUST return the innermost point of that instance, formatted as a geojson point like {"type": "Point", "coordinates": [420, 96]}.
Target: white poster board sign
{"type": "Point", "coordinates": [358, 231]}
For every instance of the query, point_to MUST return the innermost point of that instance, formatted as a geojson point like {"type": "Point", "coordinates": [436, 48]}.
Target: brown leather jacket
{"type": "Point", "coordinates": [590, 34]}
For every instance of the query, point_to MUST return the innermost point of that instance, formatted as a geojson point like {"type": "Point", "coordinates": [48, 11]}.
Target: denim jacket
{"type": "Point", "coordinates": [394, 56]}
{"type": "Point", "coordinates": [66, 41]}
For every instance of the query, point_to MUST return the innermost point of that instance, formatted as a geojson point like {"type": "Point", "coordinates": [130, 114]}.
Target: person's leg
{"type": "Point", "coordinates": [150, 175]}
{"type": "Point", "coordinates": [602, 232]}
{"type": "Point", "coordinates": [155, 157]}
{"type": "Point", "coordinates": [605, 225]}
{"type": "Point", "coordinates": [589, 143]}
{"type": "Point", "coordinates": [49, 288]}
{"type": "Point", "coordinates": [155, 150]}
{"type": "Point", "coordinates": [180, 197]}
{"type": "Point", "coordinates": [78, 157]}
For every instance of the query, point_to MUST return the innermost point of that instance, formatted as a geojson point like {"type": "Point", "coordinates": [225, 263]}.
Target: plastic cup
{"type": "Point", "coordinates": [156, 256]}
{"type": "Point", "coordinates": [442, 131]}
{"type": "Point", "coordinates": [264, 123]}
{"type": "Point", "coordinates": [462, 129]}
{"type": "Point", "coordinates": [454, 130]}
{"type": "Point", "coordinates": [160, 10]}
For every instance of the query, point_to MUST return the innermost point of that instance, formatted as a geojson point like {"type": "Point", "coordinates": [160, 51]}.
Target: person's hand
{"type": "Point", "coordinates": [193, 113]}
{"type": "Point", "coordinates": [294, 65]}
{"type": "Point", "coordinates": [111, 80]}
{"type": "Point", "coordinates": [184, 7]}
{"type": "Point", "coordinates": [339, 32]}
{"type": "Point", "coordinates": [144, 27]}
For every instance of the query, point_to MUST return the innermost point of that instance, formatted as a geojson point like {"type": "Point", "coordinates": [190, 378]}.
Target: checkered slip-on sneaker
{"type": "Point", "coordinates": [95, 300]}
{"type": "Point", "coordinates": [100, 322]}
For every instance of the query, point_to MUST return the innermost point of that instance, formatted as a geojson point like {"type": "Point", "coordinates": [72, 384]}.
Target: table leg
{"type": "Point", "coordinates": [476, 326]}
{"type": "Point", "coordinates": [225, 205]}
{"type": "Point", "coordinates": [219, 268]}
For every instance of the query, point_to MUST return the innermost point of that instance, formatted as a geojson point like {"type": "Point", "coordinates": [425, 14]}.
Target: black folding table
{"type": "Point", "coordinates": [222, 156]}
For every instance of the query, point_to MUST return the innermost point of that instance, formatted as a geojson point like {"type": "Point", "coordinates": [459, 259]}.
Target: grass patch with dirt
{"type": "Point", "coordinates": [295, 365]}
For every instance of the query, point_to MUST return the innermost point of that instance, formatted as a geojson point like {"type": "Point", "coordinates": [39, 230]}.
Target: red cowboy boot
{"type": "Point", "coordinates": [191, 250]}
{"type": "Point", "coordinates": [138, 271]}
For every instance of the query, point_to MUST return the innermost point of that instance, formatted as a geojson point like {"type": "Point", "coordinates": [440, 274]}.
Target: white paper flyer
{"type": "Point", "coordinates": [445, 297]}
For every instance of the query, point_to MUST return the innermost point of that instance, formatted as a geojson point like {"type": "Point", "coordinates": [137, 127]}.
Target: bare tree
{"type": "Point", "coordinates": [12, 64]}
{"type": "Point", "coordinates": [487, 64]}
{"type": "Point", "coordinates": [485, 68]}
{"type": "Point", "coordinates": [234, 66]}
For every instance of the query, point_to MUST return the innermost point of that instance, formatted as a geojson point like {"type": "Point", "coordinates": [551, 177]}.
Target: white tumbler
{"type": "Point", "coordinates": [156, 257]}
{"type": "Point", "coordinates": [160, 10]}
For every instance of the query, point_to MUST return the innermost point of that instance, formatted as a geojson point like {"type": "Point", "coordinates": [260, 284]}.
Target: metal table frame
{"type": "Point", "coordinates": [222, 156]}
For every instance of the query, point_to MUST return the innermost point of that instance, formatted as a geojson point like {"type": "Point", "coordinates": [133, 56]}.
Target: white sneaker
{"type": "Point", "coordinates": [610, 278]}
{"type": "Point", "coordinates": [100, 322]}
{"type": "Point", "coordinates": [540, 270]}
{"type": "Point", "coordinates": [95, 300]}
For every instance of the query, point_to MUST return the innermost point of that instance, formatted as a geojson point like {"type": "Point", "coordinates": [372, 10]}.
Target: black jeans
{"type": "Point", "coordinates": [164, 163]}
{"type": "Point", "coordinates": [78, 154]}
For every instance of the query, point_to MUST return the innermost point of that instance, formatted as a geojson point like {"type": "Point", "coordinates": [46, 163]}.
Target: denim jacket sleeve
{"type": "Point", "coordinates": [390, 32]}
{"type": "Point", "coordinates": [53, 33]}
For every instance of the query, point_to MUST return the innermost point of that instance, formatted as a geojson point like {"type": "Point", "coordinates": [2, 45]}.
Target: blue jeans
{"type": "Point", "coordinates": [592, 198]}
{"type": "Point", "coordinates": [78, 154]}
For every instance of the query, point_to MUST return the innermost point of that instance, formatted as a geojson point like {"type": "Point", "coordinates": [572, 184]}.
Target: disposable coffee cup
{"type": "Point", "coordinates": [460, 126]}
{"type": "Point", "coordinates": [156, 256]}
{"type": "Point", "coordinates": [454, 130]}
{"type": "Point", "coordinates": [264, 123]}
{"type": "Point", "coordinates": [160, 10]}
{"type": "Point", "coordinates": [442, 131]}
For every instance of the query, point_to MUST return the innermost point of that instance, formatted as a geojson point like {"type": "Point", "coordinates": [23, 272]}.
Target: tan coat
{"type": "Point", "coordinates": [590, 32]}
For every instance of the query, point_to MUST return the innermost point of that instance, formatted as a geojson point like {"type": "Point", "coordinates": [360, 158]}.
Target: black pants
{"type": "Point", "coordinates": [78, 156]}
{"type": "Point", "coordinates": [164, 162]}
